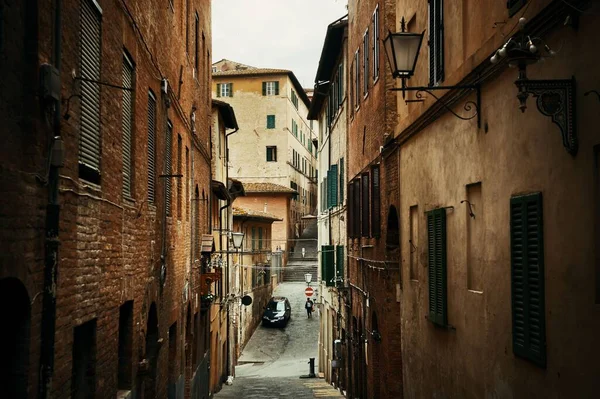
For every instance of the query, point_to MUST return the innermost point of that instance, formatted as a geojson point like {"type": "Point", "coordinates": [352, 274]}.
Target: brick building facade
{"type": "Point", "coordinates": [373, 327]}
{"type": "Point", "coordinates": [115, 306]}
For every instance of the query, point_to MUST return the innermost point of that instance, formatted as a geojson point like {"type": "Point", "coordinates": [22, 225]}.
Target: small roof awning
{"type": "Point", "coordinates": [220, 190]}
{"type": "Point", "coordinates": [208, 243]}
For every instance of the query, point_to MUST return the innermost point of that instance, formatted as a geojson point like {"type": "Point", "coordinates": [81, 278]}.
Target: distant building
{"type": "Point", "coordinates": [275, 141]}
{"type": "Point", "coordinates": [330, 108]}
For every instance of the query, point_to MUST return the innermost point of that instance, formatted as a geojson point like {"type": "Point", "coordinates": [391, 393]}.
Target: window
{"type": "Point", "coordinates": [342, 182]}
{"type": "Point", "coordinates": [83, 377]}
{"type": "Point", "coordinates": [224, 89]}
{"type": "Point", "coordinates": [356, 79]}
{"type": "Point", "coordinates": [339, 263]}
{"type": "Point", "coordinates": [270, 121]}
{"type": "Point", "coordinates": [436, 249]}
{"type": "Point", "coordinates": [270, 88]}
{"type": "Point", "coordinates": [356, 210]}
{"type": "Point", "coordinates": [436, 42]}
{"type": "Point", "coordinates": [527, 277]}
{"type": "Point", "coordinates": [271, 154]}
{"type": "Point", "coordinates": [350, 210]}
{"type": "Point", "coordinates": [294, 99]}
{"type": "Point", "coordinates": [514, 6]}
{"type": "Point", "coordinates": [260, 236]}
{"type": "Point", "coordinates": [151, 146]}
{"type": "Point", "coordinates": [196, 43]}
{"type": "Point", "coordinates": [90, 56]}
{"type": "Point", "coordinates": [168, 164]}
{"type": "Point", "coordinates": [214, 69]}
{"type": "Point", "coordinates": [179, 179]}
{"type": "Point", "coordinates": [340, 85]}
{"type": "Point", "coordinates": [125, 346]}
{"type": "Point", "coordinates": [376, 43]}
{"type": "Point", "coordinates": [253, 238]}
{"type": "Point", "coordinates": [332, 178]}
{"type": "Point", "coordinates": [366, 63]}
{"type": "Point", "coordinates": [327, 265]}
{"type": "Point", "coordinates": [127, 125]}
{"type": "Point", "coordinates": [375, 202]}
{"type": "Point", "coordinates": [187, 183]}
{"type": "Point", "coordinates": [365, 227]}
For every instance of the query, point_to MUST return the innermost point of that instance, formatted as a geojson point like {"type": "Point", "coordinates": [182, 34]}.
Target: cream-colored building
{"type": "Point", "coordinates": [329, 107]}
{"type": "Point", "coordinates": [275, 141]}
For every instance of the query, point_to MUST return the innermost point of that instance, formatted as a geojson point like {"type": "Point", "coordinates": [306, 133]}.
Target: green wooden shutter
{"type": "Point", "coordinates": [276, 88]}
{"type": "Point", "coordinates": [264, 88]}
{"type": "Point", "coordinates": [342, 182]}
{"type": "Point", "coordinates": [340, 257]}
{"type": "Point", "coordinates": [527, 277]}
{"type": "Point", "coordinates": [334, 185]}
{"type": "Point", "coordinates": [218, 89]}
{"type": "Point", "coordinates": [230, 89]}
{"type": "Point", "coordinates": [260, 231]}
{"type": "Point", "coordinates": [327, 265]}
{"type": "Point", "coordinates": [436, 235]}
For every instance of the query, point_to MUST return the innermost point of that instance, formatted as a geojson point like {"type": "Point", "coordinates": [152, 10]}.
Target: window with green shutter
{"type": "Point", "coordinates": [327, 265]}
{"type": "Point", "coordinates": [270, 121]}
{"type": "Point", "coordinates": [339, 264]}
{"type": "Point", "coordinates": [151, 146]}
{"type": "Point", "coordinates": [342, 182]}
{"type": "Point", "coordinates": [527, 278]}
{"type": "Point", "coordinates": [260, 232]}
{"type": "Point", "coordinates": [270, 88]}
{"type": "Point", "coordinates": [253, 238]}
{"type": "Point", "coordinates": [436, 239]}
{"type": "Point", "coordinates": [332, 179]}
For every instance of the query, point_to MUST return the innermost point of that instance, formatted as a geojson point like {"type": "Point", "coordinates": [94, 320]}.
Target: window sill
{"type": "Point", "coordinates": [124, 394]}
{"type": "Point", "coordinates": [375, 80]}
{"type": "Point", "coordinates": [475, 292]}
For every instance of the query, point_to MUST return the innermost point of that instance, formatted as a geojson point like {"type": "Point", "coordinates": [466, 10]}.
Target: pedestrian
{"type": "Point", "coordinates": [309, 307]}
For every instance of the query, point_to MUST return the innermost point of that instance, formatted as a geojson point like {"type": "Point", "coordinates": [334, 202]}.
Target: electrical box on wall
{"type": "Point", "coordinates": [49, 82]}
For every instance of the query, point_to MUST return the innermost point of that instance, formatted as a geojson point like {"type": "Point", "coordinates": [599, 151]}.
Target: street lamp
{"type": "Point", "coordinates": [402, 50]}
{"type": "Point", "coordinates": [238, 239]}
{"type": "Point", "coordinates": [308, 278]}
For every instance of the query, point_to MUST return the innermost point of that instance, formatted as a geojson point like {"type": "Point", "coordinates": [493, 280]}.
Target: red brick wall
{"type": "Point", "coordinates": [378, 272]}
{"type": "Point", "coordinates": [110, 247]}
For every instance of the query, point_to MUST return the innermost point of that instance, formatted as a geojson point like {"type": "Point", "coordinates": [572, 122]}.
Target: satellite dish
{"type": "Point", "coordinates": [246, 300]}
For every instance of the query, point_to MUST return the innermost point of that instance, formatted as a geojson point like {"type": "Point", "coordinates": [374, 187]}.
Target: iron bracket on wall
{"type": "Point", "coordinates": [556, 99]}
{"type": "Point", "coordinates": [470, 106]}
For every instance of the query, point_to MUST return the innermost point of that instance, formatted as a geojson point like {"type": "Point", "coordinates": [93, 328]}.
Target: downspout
{"type": "Point", "coordinates": [229, 329]}
{"type": "Point", "coordinates": [52, 240]}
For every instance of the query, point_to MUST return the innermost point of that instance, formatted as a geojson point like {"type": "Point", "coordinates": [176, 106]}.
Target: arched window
{"type": "Point", "coordinates": [393, 229]}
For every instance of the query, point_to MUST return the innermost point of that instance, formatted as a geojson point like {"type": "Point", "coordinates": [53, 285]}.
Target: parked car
{"type": "Point", "coordinates": [277, 312]}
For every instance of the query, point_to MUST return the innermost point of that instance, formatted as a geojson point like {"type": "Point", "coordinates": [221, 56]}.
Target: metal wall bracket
{"type": "Point", "coordinates": [556, 99]}
{"type": "Point", "coordinates": [474, 107]}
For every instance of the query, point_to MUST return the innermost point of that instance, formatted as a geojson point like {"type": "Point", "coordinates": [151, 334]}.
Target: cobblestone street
{"type": "Point", "coordinates": [275, 358]}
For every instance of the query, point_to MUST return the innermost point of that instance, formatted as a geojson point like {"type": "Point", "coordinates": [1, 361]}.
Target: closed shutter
{"type": "Point", "coordinates": [151, 147]}
{"type": "Point", "coordinates": [350, 210]}
{"type": "Point", "coordinates": [357, 78]}
{"type": "Point", "coordinates": [339, 263]}
{"type": "Point", "coordinates": [260, 231]}
{"type": "Point", "coordinates": [218, 89]}
{"type": "Point", "coordinates": [230, 89]}
{"type": "Point", "coordinates": [333, 181]}
{"type": "Point", "coordinates": [340, 85]}
{"type": "Point", "coordinates": [127, 125]}
{"type": "Point", "coordinates": [253, 238]}
{"type": "Point", "coordinates": [375, 202]}
{"type": "Point", "coordinates": [327, 265]}
{"type": "Point", "coordinates": [366, 51]}
{"type": "Point", "coordinates": [376, 43]}
{"type": "Point", "coordinates": [527, 275]}
{"type": "Point", "coordinates": [342, 182]}
{"type": "Point", "coordinates": [356, 205]}
{"type": "Point", "coordinates": [89, 141]}
{"type": "Point", "coordinates": [264, 88]}
{"type": "Point", "coordinates": [168, 164]}
{"type": "Point", "coordinates": [277, 89]}
{"type": "Point", "coordinates": [436, 237]}
{"type": "Point", "coordinates": [436, 42]}
{"type": "Point", "coordinates": [365, 232]}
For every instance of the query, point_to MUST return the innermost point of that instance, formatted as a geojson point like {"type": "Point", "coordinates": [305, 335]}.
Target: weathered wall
{"type": "Point", "coordinates": [512, 153]}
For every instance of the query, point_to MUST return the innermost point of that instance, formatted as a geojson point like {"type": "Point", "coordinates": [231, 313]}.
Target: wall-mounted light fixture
{"type": "Point", "coordinates": [555, 97]}
{"type": "Point", "coordinates": [402, 50]}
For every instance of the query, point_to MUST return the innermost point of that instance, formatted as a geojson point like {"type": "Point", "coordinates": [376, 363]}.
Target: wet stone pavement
{"type": "Point", "coordinates": [275, 358]}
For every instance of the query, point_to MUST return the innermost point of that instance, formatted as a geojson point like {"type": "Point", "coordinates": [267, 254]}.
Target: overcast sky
{"type": "Point", "coordinates": [285, 34]}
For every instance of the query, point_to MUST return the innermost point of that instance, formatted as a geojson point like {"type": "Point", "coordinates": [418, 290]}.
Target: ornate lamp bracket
{"type": "Point", "coordinates": [556, 99]}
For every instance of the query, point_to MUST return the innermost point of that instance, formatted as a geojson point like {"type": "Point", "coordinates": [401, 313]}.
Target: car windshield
{"type": "Point", "coordinates": [279, 306]}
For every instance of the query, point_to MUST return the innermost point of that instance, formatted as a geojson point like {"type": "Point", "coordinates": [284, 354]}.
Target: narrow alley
{"type": "Point", "coordinates": [274, 358]}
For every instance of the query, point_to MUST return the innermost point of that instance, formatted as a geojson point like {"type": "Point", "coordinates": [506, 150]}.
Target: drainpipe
{"type": "Point", "coordinates": [229, 329]}
{"type": "Point", "coordinates": [52, 243]}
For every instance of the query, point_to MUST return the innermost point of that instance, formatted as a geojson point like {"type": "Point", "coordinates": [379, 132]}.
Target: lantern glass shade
{"type": "Point", "coordinates": [308, 277]}
{"type": "Point", "coordinates": [268, 256]}
{"type": "Point", "coordinates": [238, 238]}
{"type": "Point", "coordinates": [402, 51]}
